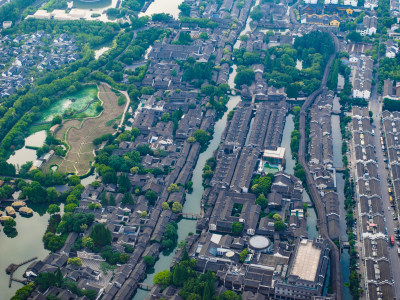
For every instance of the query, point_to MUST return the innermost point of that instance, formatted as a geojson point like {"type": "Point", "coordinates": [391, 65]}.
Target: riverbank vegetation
{"type": "Point", "coordinates": [350, 206]}
{"type": "Point", "coordinates": [192, 285]}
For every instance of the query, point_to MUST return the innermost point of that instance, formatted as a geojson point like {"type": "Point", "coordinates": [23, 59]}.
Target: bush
{"type": "Point", "coordinates": [149, 260]}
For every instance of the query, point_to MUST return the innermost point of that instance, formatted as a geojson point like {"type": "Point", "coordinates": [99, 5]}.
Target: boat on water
{"type": "Point", "coordinates": [10, 211]}
{"type": "Point", "coordinates": [26, 211]}
{"type": "Point", "coordinates": [18, 204]}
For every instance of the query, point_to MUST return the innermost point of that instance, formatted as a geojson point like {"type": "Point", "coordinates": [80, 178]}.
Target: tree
{"type": "Point", "coordinates": [279, 226]}
{"type": "Point", "coordinates": [24, 292]}
{"type": "Point", "coordinates": [35, 192]}
{"type": "Point", "coordinates": [87, 242]}
{"type": "Point", "coordinates": [262, 201]}
{"type": "Point", "coordinates": [173, 188]}
{"type": "Point", "coordinates": [9, 228]}
{"type": "Point", "coordinates": [127, 199]}
{"type": "Point", "coordinates": [53, 208]}
{"type": "Point", "coordinates": [53, 242]}
{"type": "Point", "coordinates": [176, 207]}
{"type": "Point", "coordinates": [354, 36]}
{"type": "Point", "coordinates": [185, 9]}
{"type": "Point", "coordinates": [123, 258]}
{"type": "Point", "coordinates": [191, 140]}
{"type": "Point", "coordinates": [296, 110]}
{"type": "Point", "coordinates": [103, 199]}
{"type": "Point", "coordinates": [256, 13]}
{"type": "Point", "coordinates": [74, 180]}
{"type": "Point", "coordinates": [76, 261]}
{"type": "Point", "coordinates": [165, 206]}
{"type": "Point", "coordinates": [52, 194]}
{"type": "Point", "coordinates": [149, 260]}
{"type": "Point", "coordinates": [201, 136]}
{"type": "Point", "coordinates": [165, 117]}
{"type": "Point", "coordinates": [237, 228]}
{"type": "Point", "coordinates": [70, 207]}
{"type": "Point", "coordinates": [245, 76]}
{"type": "Point", "coordinates": [144, 214]}
{"type": "Point", "coordinates": [94, 205]}
{"type": "Point", "coordinates": [243, 255]}
{"type": "Point", "coordinates": [112, 200]}
{"type": "Point", "coordinates": [56, 120]}
{"type": "Point", "coordinates": [124, 183]}
{"type": "Point", "coordinates": [229, 295]}
{"type": "Point", "coordinates": [101, 235]}
{"type": "Point", "coordinates": [163, 278]}
{"type": "Point", "coordinates": [262, 185]}
{"type": "Point", "coordinates": [151, 196]}
{"type": "Point", "coordinates": [277, 217]}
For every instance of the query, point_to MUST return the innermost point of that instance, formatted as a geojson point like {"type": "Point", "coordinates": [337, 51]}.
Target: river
{"type": "Point", "coordinates": [193, 200]}
{"type": "Point", "coordinates": [289, 168]}
{"type": "Point", "coordinates": [338, 163]}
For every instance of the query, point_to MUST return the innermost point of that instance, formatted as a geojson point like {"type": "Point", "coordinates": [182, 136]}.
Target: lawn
{"type": "Point", "coordinates": [79, 135]}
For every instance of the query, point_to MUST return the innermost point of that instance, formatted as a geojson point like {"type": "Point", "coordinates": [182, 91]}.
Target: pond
{"type": "Point", "coordinates": [79, 102]}
{"type": "Point", "coordinates": [23, 155]}
{"type": "Point", "coordinates": [26, 245]}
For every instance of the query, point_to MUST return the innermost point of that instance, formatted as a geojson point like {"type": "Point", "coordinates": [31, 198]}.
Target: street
{"type": "Point", "coordinates": [375, 107]}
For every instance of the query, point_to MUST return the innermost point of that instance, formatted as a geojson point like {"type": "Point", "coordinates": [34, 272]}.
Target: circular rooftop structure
{"type": "Point", "coordinates": [259, 242]}
{"type": "Point", "coordinates": [230, 254]}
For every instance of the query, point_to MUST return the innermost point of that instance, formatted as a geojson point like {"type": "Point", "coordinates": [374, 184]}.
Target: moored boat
{"type": "Point", "coordinates": [26, 211]}
{"type": "Point", "coordinates": [10, 211]}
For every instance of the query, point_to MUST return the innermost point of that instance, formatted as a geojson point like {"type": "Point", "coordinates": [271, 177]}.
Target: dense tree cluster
{"type": "Point", "coordinates": [192, 286]}
{"type": "Point", "coordinates": [262, 185]}
{"type": "Point", "coordinates": [170, 236]}
{"type": "Point", "coordinates": [11, 11]}
{"type": "Point", "coordinates": [313, 49]}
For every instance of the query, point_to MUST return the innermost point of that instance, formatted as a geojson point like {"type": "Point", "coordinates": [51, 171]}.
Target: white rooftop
{"type": "Point", "coordinates": [305, 264]}
{"type": "Point", "coordinates": [278, 153]}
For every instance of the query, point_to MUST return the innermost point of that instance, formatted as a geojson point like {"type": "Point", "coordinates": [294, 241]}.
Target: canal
{"type": "Point", "coordinates": [338, 163]}
{"type": "Point", "coordinates": [193, 200]}
{"type": "Point", "coordinates": [289, 168]}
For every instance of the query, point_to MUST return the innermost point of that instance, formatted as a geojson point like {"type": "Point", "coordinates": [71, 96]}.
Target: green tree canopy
{"type": "Point", "coordinates": [101, 235]}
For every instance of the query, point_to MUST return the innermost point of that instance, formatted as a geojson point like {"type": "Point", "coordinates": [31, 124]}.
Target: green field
{"type": "Point", "coordinates": [73, 103]}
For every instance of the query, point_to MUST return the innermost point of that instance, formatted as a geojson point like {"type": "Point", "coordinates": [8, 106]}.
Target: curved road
{"type": "Point", "coordinates": [336, 272]}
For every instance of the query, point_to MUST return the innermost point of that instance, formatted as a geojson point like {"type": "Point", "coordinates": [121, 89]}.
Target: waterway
{"type": "Point", "coordinates": [338, 163]}
{"type": "Point", "coordinates": [247, 28]}
{"type": "Point", "coordinates": [193, 200]}
{"type": "Point", "coordinates": [27, 244]}
{"type": "Point", "coordinates": [162, 6]}
{"type": "Point", "coordinates": [23, 155]}
{"type": "Point", "coordinates": [289, 168]}
{"type": "Point", "coordinates": [78, 101]}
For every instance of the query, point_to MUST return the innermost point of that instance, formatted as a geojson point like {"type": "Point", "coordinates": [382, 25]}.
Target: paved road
{"type": "Point", "coordinates": [375, 107]}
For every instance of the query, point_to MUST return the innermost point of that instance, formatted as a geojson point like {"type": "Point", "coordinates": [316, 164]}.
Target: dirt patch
{"type": "Point", "coordinates": [79, 135]}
